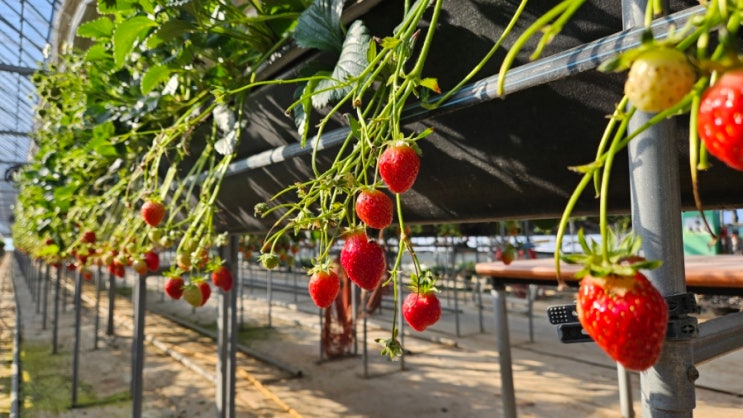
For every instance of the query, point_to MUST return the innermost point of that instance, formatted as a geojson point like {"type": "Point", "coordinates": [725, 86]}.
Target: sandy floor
{"type": "Point", "coordinates": [442, 375]}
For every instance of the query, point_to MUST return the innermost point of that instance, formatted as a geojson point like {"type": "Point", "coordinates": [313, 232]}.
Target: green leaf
{"type": "Point", "coordinates": [97, 52]}
{"type": "Point", "coordinates": [169, 31]}
{"type": "Point", "coordinates": [320, 26]}
{"type": "Point", "coordinates": [126, 35]}
{"type": "Point", "coordinates": [351, 63]}
{"type": "Point", "coordinates": [102, 27]}
{"type": "Point", "coordinates": [154, 76]}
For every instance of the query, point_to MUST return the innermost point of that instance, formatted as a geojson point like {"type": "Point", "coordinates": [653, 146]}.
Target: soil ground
{"type": "Point", "coordinates": [442, 375]}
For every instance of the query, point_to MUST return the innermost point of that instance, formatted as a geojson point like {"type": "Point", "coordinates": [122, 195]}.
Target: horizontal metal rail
{"type": "Point", "coordinates": [561, 65]}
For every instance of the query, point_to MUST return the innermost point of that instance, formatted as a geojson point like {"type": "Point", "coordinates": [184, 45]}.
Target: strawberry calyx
{"type": "Point", "coordinates": [612, 260]}
{"type": "Point", "coordinates": [423, 283]}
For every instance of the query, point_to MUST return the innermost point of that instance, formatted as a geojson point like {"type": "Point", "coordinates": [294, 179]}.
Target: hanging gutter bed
{"type": "Point", "coordinates": [488, 159]}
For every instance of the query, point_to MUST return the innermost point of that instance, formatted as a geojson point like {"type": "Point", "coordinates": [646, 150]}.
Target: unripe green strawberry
{"type": "Point", "coordinates": [626, 316]}
{"type": "Point", "coordinates": [192, 295]}
{"type": "Point", "coordinates": [658, 79]}
{"type": "Point", "coordinates": [374, 208]}
{"type": "Point", "coordinates": [508, 254]}
{"type": "Point", "coordinates": [719, 120]}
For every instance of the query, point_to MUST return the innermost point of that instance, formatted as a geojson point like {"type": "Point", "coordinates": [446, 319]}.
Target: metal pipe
{"type": "Point", "coordinates": [55, 318]}
{"type": "Point", "coordinates": [76, 349]}
{"type": "Point", "coordinates": [625, 392]}
{"type": "Point", "coordinates": [666, 388]}
{"type": "Point", "coordinates": [718, 336]}
{"type": "Point", "coordinates": [45, 297]}
{"type": "Point", "coordinates": [140, 303]}
{"type": "Point", "coordinates": [508, 393]}
{"type": "Point", "coordinates": [111, 303]}
{"type": "Point", "coordinates": [96, 326]}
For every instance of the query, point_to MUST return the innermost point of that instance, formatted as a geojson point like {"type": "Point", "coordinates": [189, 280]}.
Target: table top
{"type": "Point", "coordinates": [719, 271]}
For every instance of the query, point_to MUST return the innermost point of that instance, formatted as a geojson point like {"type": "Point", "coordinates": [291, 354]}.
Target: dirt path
{"type": "Point", "coordinates": [552, 379]}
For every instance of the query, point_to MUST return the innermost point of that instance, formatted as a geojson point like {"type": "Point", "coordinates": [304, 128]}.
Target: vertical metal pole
{"type": "Point", "coordinates": [478, 289]}
{"type": "Point", "coordinates": [625, 392]}
{"type": "Point", "coordinates": [65, 276]}
{"type": "Point", "coordinates": [531, 293]}
{"type": "Point", "coordinates": [320, 317]}
{"type": "Point", "coordinates": [504, 350]}
{"type": "Point", "coordinates": [401, 325]}
{"type": "Point", "coordinates": [227, 340]}
{"type": "Point", "coordinates": [55, 319]}
{"type": "Point", "coordinates": [269, 295]}
{"type": "Point", "coordinates": [37, 277]}
{"type": "Point", "coordinates": [97, 324]}
{"type": "Point", "coordinates": [44, 307]}
{"type": "Point", "coordinates": [364, 349]}
{"type": "Point", "coordinates": [239, 278]}
{"type": "Point", "coordinates": [140, 302]}
{"type": "Point", "coordinates": [456, 293]}
{"type": "Point", "coordinates": [111, 303]}
{"type": "Point", "coordinates": [76, 351]}
{"type": "Point", "coordinates": [666, 388]}
{"type": "Point", "coordinates": [354, 318]}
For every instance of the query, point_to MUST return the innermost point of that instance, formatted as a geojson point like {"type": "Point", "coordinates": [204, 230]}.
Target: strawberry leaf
{"type": "Point", "coordinates": [351, 63]}
{"type": "Point", "coordinates": [320, 26]}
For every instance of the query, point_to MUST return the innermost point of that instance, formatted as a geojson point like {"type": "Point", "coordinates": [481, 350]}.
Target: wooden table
{"type": "Point", "coordinates": [718, 274]}
{"type": "Point", "coordinates": [704, 274]}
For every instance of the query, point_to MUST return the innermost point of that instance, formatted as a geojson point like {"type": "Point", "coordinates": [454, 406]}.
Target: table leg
{"type": "Point", "coordinates": [504, 350]}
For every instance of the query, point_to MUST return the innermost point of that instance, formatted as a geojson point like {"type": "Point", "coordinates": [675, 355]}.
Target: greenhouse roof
{"type": "Point", "coordinates": [25, 27]}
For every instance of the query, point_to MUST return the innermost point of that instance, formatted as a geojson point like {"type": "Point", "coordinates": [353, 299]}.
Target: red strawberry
{"type": "Point", "coordinates": [323, 288]}
{"type": "Point", "coordinates": [152, 260]}
{"type": "Point", "coordinates": [174, 287]}
{"type": "Point", "coordinates": [222, 278]}
{"type": "Point", "coordinates": [88, 237]}
{"type": "Point", "coordinates": [421, 310]}
{"type": "Point", "coordinates": [398, 166]}
{"type": "Point", "coordinates": [374, 208]}
{"type": "Point", "coordinates": [719, 123]}
{"type": "Point", "coordinates": [153, 212]}
{"type": "Point", "coordinates": [363, 260]}
{"type": "Point", "coordinates": [192, 294]}
{"type": "Point", "coordinates": [626, 316]}
{"type": "Point", "coordinates": [206, 291]}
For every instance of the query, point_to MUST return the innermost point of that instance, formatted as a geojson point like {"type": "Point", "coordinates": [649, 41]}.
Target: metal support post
{"type": "Point", "coordinates": [269, 295]}
{"type": "Point", "coordinates": [504, 350]}
{"type": "Point", "coordinates": [97, 323]}
{"type": "Point", "coordinates": [37, 285]}
{"type": "Point", "coordinates": [45, 296]}
{"type": "Point", "coordinates": [227, 339]}
{"type": "Point", "coordinates": [625, 392]}
{"type": "Point", "coordinates": [667, 389]}
{"type": "Point", "coordinates": [55, 319]}
{"type": "Point", "coordinates": [401, 325]}
{"type": "Point", "coordinates": [78, 299]}
{"type": "Point", "coordinates": [140, 303]}
{"type": "Point", "coordinates": [111, 303]}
